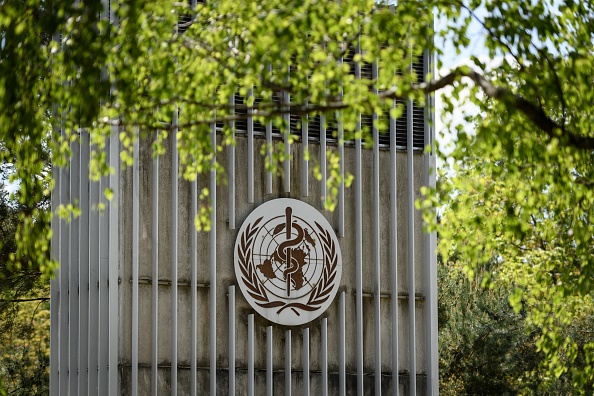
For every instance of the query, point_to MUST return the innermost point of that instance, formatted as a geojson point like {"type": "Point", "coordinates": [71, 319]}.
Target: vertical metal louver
{"type": "Point", "coordinates": [295, 124]}
{"type": "Point", "coordinates": [385, 120]}
{"type": "Point", "coordinates": [418, 117]}
{"type": "Point", "coordinates": [367, 119]}
{"type": "Point", "coordinates": [418, 127]}
{"type": "Point", "coordinates": [184, 21]}
{"type": "Point", "coordinates": [401, 125]}
{"type": "Point", "coordinates": [295, 120]}
{"type": "Point", "coordinates": [241, 125]}
{"type": "Point", "coordinates": [367, 122]}
{"type": "Point", "coordinates": [277, 98]}
{"type": "Point", "coordinates": [366, 70]}
{"type": "Point", "coordinates": [349, 59]}
{"type": "Point", "coordinates": [314, 124]}
{"type": "Point", "coordinates": [331, 127]}
{"type": "Point", "coordinates": [259, 128]}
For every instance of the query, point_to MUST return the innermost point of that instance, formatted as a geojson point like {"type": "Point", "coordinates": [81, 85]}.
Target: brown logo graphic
{"type": "Point", "coordinates": [287, 263]}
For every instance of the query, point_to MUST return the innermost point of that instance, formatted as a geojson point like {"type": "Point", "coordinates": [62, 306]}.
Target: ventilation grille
{"type": "Point", "coordinates": [316, 123]}
{"type": "Point", "coordinates": [184, 21]}
{"type": "Point", "coordinates": [241, 125]}
{"type": "Point", "coordinates": [314, 128]}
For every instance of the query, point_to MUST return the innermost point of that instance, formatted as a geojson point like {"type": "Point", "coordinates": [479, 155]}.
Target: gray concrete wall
{"type": "Point", "coordinates": [226, 277]}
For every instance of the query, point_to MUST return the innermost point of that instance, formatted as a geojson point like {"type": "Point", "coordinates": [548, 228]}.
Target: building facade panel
{"type": "Point", "coordinates": [138, 352]}
{"type": "Point", "coordinates": [145, 304]}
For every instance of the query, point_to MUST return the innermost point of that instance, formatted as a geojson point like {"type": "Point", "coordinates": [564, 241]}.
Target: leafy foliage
{"type": "Point", "coordinates": [24, 310]}
{"type": "Point", "coordinates": [506, 220]}
{"type": "Point", "coordinates": [33, 76]}
{"type": "Point", "coordinates": [518, 201]}
{"type": "Point", "coordinates": [24, 351]}
{"type": "Point", "coordinates": [163, 67]}
{"type": "Point", "coordinates": [483, 346]}
{"type": "Point", "coordinates": [523, 201]}
{"type": "Point", "coordinates": [486, 348]}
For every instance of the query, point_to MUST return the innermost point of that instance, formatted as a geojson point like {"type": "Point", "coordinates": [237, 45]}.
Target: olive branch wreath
{"type": "Point", "coordinates": [318, 295]}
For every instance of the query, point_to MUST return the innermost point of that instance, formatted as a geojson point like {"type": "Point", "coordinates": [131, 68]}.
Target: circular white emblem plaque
{"type": "Point", "coordinates": [287, 261]}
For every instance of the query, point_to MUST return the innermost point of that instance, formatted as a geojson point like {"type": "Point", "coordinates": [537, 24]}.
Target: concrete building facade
{"type": "Point", "coordinates": [145, 304]}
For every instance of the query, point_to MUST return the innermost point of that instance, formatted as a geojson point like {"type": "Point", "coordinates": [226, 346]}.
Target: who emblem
{"type": "Point", "coordinates": [287, 261]}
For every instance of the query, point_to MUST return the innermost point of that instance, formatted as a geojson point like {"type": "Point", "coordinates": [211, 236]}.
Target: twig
{"type": "Point", "coordinates": [20, 300]}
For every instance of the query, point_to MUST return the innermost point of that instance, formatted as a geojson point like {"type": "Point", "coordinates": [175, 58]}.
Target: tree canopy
{"type": "Point", "coordinates": [512, 230]}
{"type": "Point", "coordinates": [518, 199]}
{"type": "Point", "coordinates": [524, 197]}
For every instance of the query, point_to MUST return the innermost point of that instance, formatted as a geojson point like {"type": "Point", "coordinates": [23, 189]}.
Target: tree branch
{"type": "Point", "coordinates": [537, 115]}
{"type": "Point", "coordinates": [20, 300]}
{"type": "Point", "coordinates": [529, 109]}
{"type": "Point", "coordinates": [533, 112]}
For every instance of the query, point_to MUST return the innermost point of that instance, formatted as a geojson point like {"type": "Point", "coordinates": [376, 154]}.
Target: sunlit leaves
{"type": "Point", "coordinates": [137, 70]}
{"type": "Point", "coordinates": [24, 348]}
{"type": "Point", "coordinates": [515, 209]}
{"type": "Point", "coordinates": [265, 49]}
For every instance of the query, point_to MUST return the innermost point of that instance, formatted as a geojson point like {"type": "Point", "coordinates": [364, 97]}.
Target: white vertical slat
{"type": "Point", "coordinates": [269, 156]}
{"type": "Point", "coordinates": [324, 351]}
{"type": "Point", "coordinates": [341, 346]}
{"type": "Point", "coordinates": [306, 362]}
{"type": "Point", "coordinates": [430, 264]}
{"type": "Point", "coordinates": [359, 247]}
{"type": "Point", "coordinates": [174, 252]}
{"type": "Point", "coordinates": [269, 151]}
{"type": "Point", "coordinates": [94, 273]}
{"type": "Point", "coordinates": [250, 346]}
{"type": "Point", "coordinates": [232, 336]}
{"type": "Point", "coordinates": [135, 252]}
{"type": "Point", "coordinates": [64, 284]}
{"type": "Point", "coordinates": [323, 159]}
{"type": "Point", "coordinates": [287, 362]}
{"type": "Point", "coordinates": [114, 259]}
{"type": "Point", "coordinates": [114, 251]}
{"type": "Point", "coordinates": [341, 170]}
{"type": "Point", "coordinates": [73, 286]}
{"type": "Point", "coordinates": [340, 164]}
{"type": "Point", "coordinates": [103, 346]}
{"type": "Point", "coordinates": [113, 246]}
{"type": "Point", "coordinates": [103, 264]}
{"type": "Point", "coordinates": [376, 249]}
{"type": "Point", "coordinates": [411, 249]}
{"type": "Point", "coordinates": [431, 247]}
{"type": "Point", "coordinates": [194, 280]}
{"type": "Point", "coordinates": [231, 170]}
{"type": "Point", "coordinates": [83, 357]}
{"type": "Point", "coordinates": [286, 137]}
{"type": "Point", "coordinates": [194, 286]}
{"type": "Point", "coordinates": [55, 292]}
{"type": "Point", "coordinates": [394, 253]}
{"type": "Point", "coordinates": [269, 361]}
{"type": "Point", "coordinates": [213, 266]}
{"type": "Point", "coordinates": [55, 308]}
{"type": "Point", "coordinates": [155, 275]}
{"type": "Point", "coordinates": [174, 264]}
{"type": "Point", "coordinates": [250, 153]}
{"type": "Point", "coordinates": [432, 326]}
